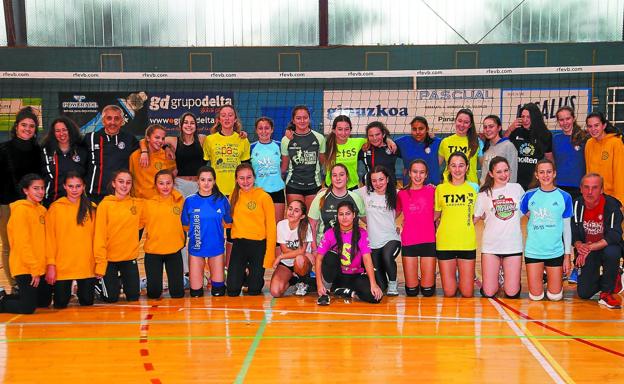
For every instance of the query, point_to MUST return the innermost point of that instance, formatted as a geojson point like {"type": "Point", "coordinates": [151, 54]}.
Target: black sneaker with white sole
{"type": "Point", "coordinates": [323, 300]}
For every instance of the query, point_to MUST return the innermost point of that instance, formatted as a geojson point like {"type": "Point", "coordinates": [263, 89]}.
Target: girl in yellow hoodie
{"type": "Point", "coordinates": [116, 242]}
{"type": "Point", "coordinates": [70, 228]}
{"type": "Point", "coordinates": [253, 233]}
{"type": "Point", "coordinates": [26, 230]}
{"type": "Point", "coordinates": [604, 154]}
{"type": "Point", "coordinates": [164, 237]}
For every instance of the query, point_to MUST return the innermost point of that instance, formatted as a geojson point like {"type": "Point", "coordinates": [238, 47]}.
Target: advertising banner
{"type": "Point", "coordinates": [548, 100]}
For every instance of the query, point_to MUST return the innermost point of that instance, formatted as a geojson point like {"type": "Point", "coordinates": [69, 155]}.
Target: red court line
{"type": "Point", "coordinates": [144, 352]}
{"type": "Point", "coordinates": [553, 329]}
{"type": "Point", "coordinates": [155, 381]}
{"type": "Point", "coordinates": [148, 366]}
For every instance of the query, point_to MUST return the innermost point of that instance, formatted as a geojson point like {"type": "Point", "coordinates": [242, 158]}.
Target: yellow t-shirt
{"type": "Point", "coordinates": [456, 231]}
{"type": "Point", "coordinates": [347, 154]}
{"type": "Point", "coordinates": [455, 143]}
{"type": "Point", "coordinates": [225, 153]}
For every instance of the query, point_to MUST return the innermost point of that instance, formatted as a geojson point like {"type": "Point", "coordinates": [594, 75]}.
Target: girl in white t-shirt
{"type": "Point", "coordinates": [498, 205]}
{"type": "Point", "coordinates": [295, 259]}
{"type": "Point", "coordinates": [380, 198]}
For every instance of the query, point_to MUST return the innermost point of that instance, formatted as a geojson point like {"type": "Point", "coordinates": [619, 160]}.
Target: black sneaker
{"type": "Point", "coordinates": [345, 293]}
{"type": "Point", "coordinates": [218, 291]}
{"type": "Point", "coordinates": [323, 300]}
{"type": "Point", "coordinates": [2, 293]}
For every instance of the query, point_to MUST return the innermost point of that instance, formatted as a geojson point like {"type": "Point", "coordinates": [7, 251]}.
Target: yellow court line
{"type": "Point", "coordinates": [532, 339]}
{"type": "Point", "coordinates": [12, 319]}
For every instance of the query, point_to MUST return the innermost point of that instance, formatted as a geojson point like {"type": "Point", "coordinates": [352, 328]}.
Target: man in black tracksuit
{"type": "Point", "coordinates": [109, 151]}
{"type": "Point", "coordinates": [597, 238]}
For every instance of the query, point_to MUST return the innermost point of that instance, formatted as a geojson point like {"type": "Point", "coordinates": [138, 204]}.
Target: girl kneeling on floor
{"type": "Point", "coordinates": [357, 275]}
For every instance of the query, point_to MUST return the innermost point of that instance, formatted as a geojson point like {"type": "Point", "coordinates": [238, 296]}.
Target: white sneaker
{"type": "Point", "coordinates": [143, 284]}
{"type": "Point", "coordinates": [392, 288]}
{"type": "Point", "coordinates": [302, 289]}
{"type": "Point", "coordinates": [501, 277]}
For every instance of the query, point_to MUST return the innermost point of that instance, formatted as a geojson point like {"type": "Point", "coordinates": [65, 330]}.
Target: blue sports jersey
{"type": "Point", "coordinates": [569, 159]}
{"type": "Point", "coordinates": [545, 227]}
{"type": "Point", "coordinates": [412, 149]}
{"type": "Point", "coordinates": [266, 160]}
{"type": "Point", "coordinates": [205, 216]}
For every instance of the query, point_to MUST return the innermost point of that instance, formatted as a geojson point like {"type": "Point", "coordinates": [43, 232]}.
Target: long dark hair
{"type": "Point", "coordinates": [473, 139]}
{"type": "Point", "coordinates": [421, 119]}
{"type": "Point", "coordinates": [609, 128]}
{"type": "Point", "coordinates": [109, 188]}
{"type": "Point", "coordinates": [49, 141]}
{"type": "Point", "coordinates": [463, 156]}
{"type": "Point", "coordinates": [331, 149]}
{"type": "Point", "coordinates": [538, 130]}
{"type": "Point", "coordinates": [301, 107]}
{"type": "Point", "coordinates": [85, 206]}
{"type": "Point", "coordinates": [498, 123]}
{"type": "Point", "coordinates": [488, 183]}
{"type": "Point", "coordinates": [330, 187]}
{"type": "Point", "coordinates": [216, 193]}
{"type": "Point", "coordinates": [409, 168]}
{"type": "Point", "coordinates": [578, 136]}
{"type": "Point", "coordinates": [236, 192]}
{"type": "Point", "coordinates": [379, 125]}
{"type": "Point", "coordinates": [195, 134]}
{"type": "Point", "coordinates": [355, 231]}
{"type": "Point", "coordinates": [22, 114]}
{"type": "Point", "coordinates": [304, 223]}
{"type": "Point", "coordinates": [391, 194]}
{"type": "Point", "coordinates": [535, 183]}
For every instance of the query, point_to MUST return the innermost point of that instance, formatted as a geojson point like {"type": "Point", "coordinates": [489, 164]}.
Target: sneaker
{"type": "Point", "coordinates": [619, 282]}
{"type": "Point", "coordinates": [2, 293]}
{"type": "Point", "coordinates": [143, 284]}
{"type": "Point", "coordinates": [609, 300]}
{"type": "Point", "coordinates": [573, 279]}
{"type": "Point", "coordinates": [545, 278]}
{"type": "Point", "coordinates": [501, 277]}
{"type": "Point", "coordinates": [323, 300]}
{"type": "Point", "coordinates": [187, 282]}
{"type": "Point", "coordinates": [345, 293]}
{"type": "Point", "coordinates": [302, 289]}
{"type": "Point", "coordinates": [392, 288]}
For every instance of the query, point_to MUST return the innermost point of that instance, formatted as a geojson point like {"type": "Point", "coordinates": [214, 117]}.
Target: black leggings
{"type": "Point", "coordinates": [333, 275]}
{"type": "Point", "coordinates": [29, 297]}
{"type": "Point", "coordinates": [246, 254]}
{"type": "Point", "coordinates": [384, 262]}
{"type": "Point", "coordinates": [62, 292]}
{"type": "Point", "coordinates": [154, 274]}
{"type": "Point", "coordinates": [111, 284]}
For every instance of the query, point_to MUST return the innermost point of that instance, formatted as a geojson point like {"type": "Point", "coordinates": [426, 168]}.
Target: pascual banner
{"type": "Point", "coordinates": [393, 108]}
{"type": "Point", "coordinates": [548, 100]}
{"type": "Point", "coordinates": [165, 108]}
{"type": "Point", "coordinates": [85, 108]}
{"type": "Point", "coordinates": [440, 106]}
{"type": "Point", "coordinates": [10, 106]}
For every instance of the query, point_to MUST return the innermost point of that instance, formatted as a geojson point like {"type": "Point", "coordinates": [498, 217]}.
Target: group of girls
{"type": "Point", "coordinates": [322, 226]}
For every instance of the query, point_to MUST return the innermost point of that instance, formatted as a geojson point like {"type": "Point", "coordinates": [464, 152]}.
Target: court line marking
{"type": "Point", "coordinates": [563, 333]}
{"type": "Point", "coordinates": [240, 378]}
{"type": "Point", "coordinates": [552, 368]}
{"type": "Point", "coordinates": [309, 337]}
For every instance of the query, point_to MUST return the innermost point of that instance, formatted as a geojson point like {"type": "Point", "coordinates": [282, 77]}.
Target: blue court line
{"type": "Point", "coordinates": [240, 378]}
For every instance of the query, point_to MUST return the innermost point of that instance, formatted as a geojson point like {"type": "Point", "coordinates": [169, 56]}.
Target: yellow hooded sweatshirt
{"type": "Point", "coordinates": [163, 227]}
{"type": "Point", "coordinates": [606, 157]}
{"type": "Point", "coordinates": [26, 229]}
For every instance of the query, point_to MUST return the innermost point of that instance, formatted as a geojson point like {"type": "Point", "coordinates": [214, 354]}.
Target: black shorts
{"type": "Point", "coordinates": [278, 197]}
{"type": "Point", "coordinates": [461, 255]}
{"type": "Point", "coordinates": [304, 192]}
{"type": "Point", "coordinates": [423, 250]}
{"type": "Point", "coordinates": [556, 262]}
{"type": "Point", "coordinates": [292, 268]}
{"type": "Point", "coordinates": [503, 255]}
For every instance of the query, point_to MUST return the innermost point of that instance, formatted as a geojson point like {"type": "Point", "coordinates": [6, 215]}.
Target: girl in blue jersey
{"type": "Point", "coordinates": [266, 160]}
{"type": "Point", "coordinates": [549, 209]}
{"type": "Point", "coordinates": [203, 216]}
{"type": "Point", "coordinates": [568, 148]}
{"type": "Point", "coordinates": [420, 145]}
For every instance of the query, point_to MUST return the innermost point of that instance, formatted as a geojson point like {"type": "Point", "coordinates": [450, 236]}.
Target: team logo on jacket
{"type": "Point", "coordinates": [121, 145]}
{"type": "Point", "coordinates": [176, 210]}
{"type": "Point", "coordinates": [76, 158]}
{"type": "Point", "coordinates": [605, 155]}
{"type": "Point", "coordinates": [526, 149]}
{"type": "Point", "coordinates": [41, 219]}
{"type": "Point", "coordinates": [158, 165]}
{"type": "Point", "coordinates": [251, 205]}
{"type": "Point", "coordinates": [133, 210]}
{"type": "Point", "coordinates": [504, 208]}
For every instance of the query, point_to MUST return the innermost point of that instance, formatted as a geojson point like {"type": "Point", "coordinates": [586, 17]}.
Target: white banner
{"type": "Point", "coordinates": [548, 100]}
{"type": "Point", "coordinates": [439, 106]}
{"type": "Point", "coordinates": [394, 108]}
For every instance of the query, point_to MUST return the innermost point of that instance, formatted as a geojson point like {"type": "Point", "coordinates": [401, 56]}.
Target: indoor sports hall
{"type": "Point", "coordinates": [372, 61]}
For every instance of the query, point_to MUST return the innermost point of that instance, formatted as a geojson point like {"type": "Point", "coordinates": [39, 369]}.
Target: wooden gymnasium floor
{"type": "Point", "coordinates": [292, 340]}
